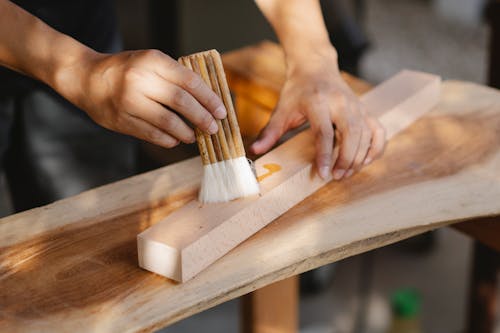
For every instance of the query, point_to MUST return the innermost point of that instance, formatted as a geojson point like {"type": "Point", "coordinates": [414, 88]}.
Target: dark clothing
{"type": "Point", "coordinates": [92, 22]}
{"type": "Point", "coordinates": [49, 148]}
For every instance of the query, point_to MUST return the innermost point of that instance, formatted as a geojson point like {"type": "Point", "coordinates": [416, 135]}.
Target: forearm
{"type": "Point", "coordinates": [300, 28]}
{"type": "Point", "coordinates": [31, 47]}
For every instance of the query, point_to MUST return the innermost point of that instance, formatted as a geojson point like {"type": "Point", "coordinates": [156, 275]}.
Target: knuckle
{"type": "Point", "coordinates": [152, 54]}
{"type": "Point", "coordinates": [380, 131]}
{"type": "Point", "coordinates": [213, 100]}
{"type": "Point", "coordinates": [341, 100]}
{"type": "Point", "coordinates": [179, 99]}
{"type": "Point", "coordinates": [323, 158]}
{"type": "Point", "coordinates": [171, 143]}
{"type": "Point", "coordinates": [326, 133]}
{"type": "Point", "coordinates": [354, 127]}
{"type": "Point", "coordinates": [153, 135]}
{"type": "Point", "coordinates": [205, 120]}
{"type": "Point", "coordinates": [166, 120]}
{"type": "Point", "coordinates": [130, 76]}
{"type": "Point", "coordinates": [192, 80]}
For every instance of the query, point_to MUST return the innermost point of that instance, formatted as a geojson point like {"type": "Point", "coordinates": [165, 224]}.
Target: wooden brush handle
{"type": "Point", "coordinates": [214, 56]}
{"type": "Point", "coordinates": [201, 138]}
{"type": "Point", "coordinates": [220, 138]}
{"type": "Point", "coordinates": [226, 143]}
{"type": "Point", "coordinates": [214, 83]}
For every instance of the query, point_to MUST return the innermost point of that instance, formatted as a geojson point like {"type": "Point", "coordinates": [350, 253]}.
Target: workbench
{"type": "Point", "coordinates": [72, 266]}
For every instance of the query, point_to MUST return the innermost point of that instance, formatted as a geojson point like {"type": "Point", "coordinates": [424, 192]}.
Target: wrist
{"type": "Point", "coordinates": [70, 68]}
{"type": "Point", "coordinates": [311, 58]}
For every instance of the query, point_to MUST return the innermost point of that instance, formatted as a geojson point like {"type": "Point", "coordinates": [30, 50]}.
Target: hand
{"type": "Point", "coordinates": [315, 91]}
{"type": "Point", "coordinates": [136, 93]}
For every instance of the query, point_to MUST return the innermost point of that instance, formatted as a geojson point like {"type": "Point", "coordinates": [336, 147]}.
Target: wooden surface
{"type": "Point", "coordinates": [193, 237]}
{"type": "Point", "coordinates": [272, 309]}
{"type": "Point", "coordinates": [72, 266]}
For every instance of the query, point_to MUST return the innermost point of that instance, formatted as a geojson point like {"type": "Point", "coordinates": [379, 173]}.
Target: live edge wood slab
{"type": "Point", "coordinates": [72, 266]}
{"type": "Point", "coordinates": [196, 235]}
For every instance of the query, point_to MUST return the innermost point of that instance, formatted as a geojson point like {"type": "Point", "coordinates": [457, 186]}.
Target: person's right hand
{"type": "Point", "coordinates": [144, 94]}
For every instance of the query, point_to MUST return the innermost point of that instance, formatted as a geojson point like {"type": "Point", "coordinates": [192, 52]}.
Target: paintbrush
{"type": "Point", "coordinates": [227, 174]}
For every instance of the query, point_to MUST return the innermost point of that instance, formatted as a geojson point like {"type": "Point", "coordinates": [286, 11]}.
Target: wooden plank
{"type": "Point", "coordinates": [196, 235]}
{"type": "Point", "coordinates": [172, 185]}
{"type": "Point", "coordinates": [272, 309]}
{"type": "Point", "coordinates": [81, 276]}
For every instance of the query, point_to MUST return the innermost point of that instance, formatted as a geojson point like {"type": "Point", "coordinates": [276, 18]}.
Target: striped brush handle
{"type": "Point", "coordinates": [226, 144]}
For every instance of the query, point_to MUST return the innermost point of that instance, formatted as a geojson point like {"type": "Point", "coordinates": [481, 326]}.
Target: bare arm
{"type": "Point", "coordinates": [315, 91]}
{"type": "Point", "coordinates": [129, 92]}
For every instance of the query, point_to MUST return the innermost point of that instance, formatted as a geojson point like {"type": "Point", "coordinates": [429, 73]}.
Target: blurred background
{"type": "Point", "coordinates": [375, 39]}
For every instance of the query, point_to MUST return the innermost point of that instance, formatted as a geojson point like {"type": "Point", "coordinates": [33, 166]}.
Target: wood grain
{"type": "Point", "coordinates": [72, 267]}
{"type": "Point", "coordinates": [190, 239]}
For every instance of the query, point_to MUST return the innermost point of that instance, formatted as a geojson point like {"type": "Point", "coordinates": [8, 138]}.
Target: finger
{"type": "Point", "coordinates": [182, 102]}
{"type": "Point", "coordinates": [274, 129]}
{"type": "Point", "coordinates": [166, 120]}
{"type": "Point", "coordinates": [191, 82]}
{"type": "Point", "coordinates": [378, 140]}
{"type": "Point", "coordinates": [147, 132]}
{"type": "Point", "coordinates": [321, 125]}
{"type": "Point", "coordinates": [364, 146]}
{"type": "Point", "coordinates": [350, 133]}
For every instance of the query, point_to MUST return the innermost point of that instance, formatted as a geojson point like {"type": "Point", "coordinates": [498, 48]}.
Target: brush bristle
{"type": "Point", "coordinates": [227, 180]}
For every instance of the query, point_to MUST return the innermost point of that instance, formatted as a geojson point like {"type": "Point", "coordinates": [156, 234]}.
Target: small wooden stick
{"type": "Point", "coordinates": [205, 144]}
{"type": "Point", "coordinates": [215, 86]}
{"type": "Point", "coordinates": [221, 142]}
{"type": "Point", "coordinates": [200, 139]}
{"type": "Point", "coordinates": [214, 140]}
{"type": "Point", "coordinates": [226, 97]}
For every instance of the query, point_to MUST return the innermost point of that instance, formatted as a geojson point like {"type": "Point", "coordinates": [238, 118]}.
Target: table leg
{"type": "Point", "coordinates": [486, 261]}
{"type": "Point", "coordinates": [483, 290]}
{"type": "Point", "coordinates": [272, 309]}
{"type": "Point", "coordinates": [493, 18]}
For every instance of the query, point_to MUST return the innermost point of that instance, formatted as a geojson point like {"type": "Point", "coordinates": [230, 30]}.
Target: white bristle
{"type": "Point", "coordinates": [246, 183]}
{"type": "Point", "coordinates": [227, 180]}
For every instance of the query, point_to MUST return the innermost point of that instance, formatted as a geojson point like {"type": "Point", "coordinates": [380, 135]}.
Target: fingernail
{"type": "Point", "coordinates": [213, 128]}
{"type": "Point", "coordinates": [220, 112]}
{"type": "Point", "coordinates": [349, 173]}
{"type": "Point", "coordinates": [338, 174]}
{"type": "Point", "coordinates": [324, 171]}
{"type": "Point", "coordinates": [367, 161]}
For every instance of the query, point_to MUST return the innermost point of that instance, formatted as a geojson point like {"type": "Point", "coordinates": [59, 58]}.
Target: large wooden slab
{"type": "Point", "coordinates": [196, 235]}
{"type": "Point", "coordinates": [62, 272]}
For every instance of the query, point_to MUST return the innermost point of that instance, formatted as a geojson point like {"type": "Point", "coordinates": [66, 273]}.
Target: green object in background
{"type": "Point", "coordinates": [405, 305]}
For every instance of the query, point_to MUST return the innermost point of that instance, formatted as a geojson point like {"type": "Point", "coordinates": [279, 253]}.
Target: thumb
{"type": "Point", "coordinates": [274, 129]}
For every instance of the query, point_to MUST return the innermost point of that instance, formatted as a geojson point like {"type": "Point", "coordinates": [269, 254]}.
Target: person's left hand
{"type": "Point", "coordinates": [315, 91]}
